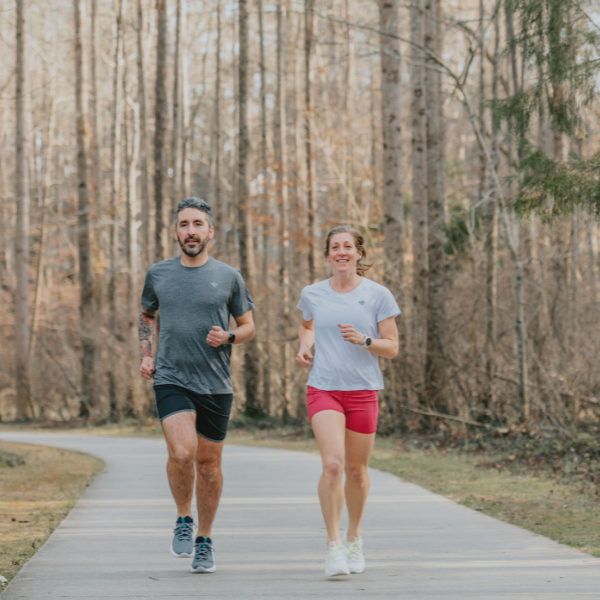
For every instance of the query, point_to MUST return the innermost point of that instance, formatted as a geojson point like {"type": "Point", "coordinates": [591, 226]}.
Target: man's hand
{"type": "Point", "coordinates": [147, 367]}
{"type": "Point", "coordinates": [351, 335]}
{"type": "Point", "coordinates": [304, 357]}
{"type": "Point", "coordinates": [217, 337]}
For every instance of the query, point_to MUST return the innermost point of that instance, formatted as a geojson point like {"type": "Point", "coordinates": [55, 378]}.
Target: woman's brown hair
{"type": "Point", "coordinates": [362, 266]}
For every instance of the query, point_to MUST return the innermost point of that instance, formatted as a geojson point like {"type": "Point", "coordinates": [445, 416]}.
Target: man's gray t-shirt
{"type": "Point", "coordinates": [191, 300]}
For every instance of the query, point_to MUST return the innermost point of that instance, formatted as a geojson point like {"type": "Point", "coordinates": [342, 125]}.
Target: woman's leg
{"type": "Point", "coordinates": [358, 451]}
{"type": "Point", "coordinates": [329, 427]}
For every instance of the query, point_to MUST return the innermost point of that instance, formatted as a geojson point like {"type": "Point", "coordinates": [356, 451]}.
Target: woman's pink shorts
{"type": "Point", "coordinates": [361, 407]}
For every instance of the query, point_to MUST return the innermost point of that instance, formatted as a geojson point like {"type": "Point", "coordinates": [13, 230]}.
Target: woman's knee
{"type": "Point", "coordinates": [333, 467]}
{"type": "Point", "coordinates": [358, 474]}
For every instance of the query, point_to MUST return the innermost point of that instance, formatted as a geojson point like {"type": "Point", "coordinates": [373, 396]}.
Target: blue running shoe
{"type": "Point", "coordinates": [183, 538]}
{"type": "Point", "coordinates": [204, 559]}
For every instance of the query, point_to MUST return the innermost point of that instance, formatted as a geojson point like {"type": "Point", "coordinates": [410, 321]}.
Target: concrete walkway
{"type": "Point", "coordinates": [270, 540]}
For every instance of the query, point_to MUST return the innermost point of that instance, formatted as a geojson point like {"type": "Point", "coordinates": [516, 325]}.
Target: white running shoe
{"type": "Point", "coordinates": [355, 559]}
{"type": "Point", "coordinates": [335, 561]}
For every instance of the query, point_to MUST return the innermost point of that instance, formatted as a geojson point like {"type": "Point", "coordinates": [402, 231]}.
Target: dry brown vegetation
{"type": "Point", "coordinates": [39, 487]}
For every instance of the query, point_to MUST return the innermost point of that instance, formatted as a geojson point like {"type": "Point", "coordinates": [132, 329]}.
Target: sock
{"type": "Point", "coordinates": [187, 520]}
{"type": "Point", "coordinates": [201, 540]}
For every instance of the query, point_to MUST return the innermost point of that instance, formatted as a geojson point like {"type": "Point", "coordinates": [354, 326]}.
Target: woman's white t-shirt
{"type": "Point", "coordinates": [340, 365]}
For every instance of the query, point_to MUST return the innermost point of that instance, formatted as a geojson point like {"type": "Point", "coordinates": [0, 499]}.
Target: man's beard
{"type": "Point", "coordinates": [192, 252]}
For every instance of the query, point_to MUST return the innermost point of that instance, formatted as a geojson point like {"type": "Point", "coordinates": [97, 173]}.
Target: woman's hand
{"type": "Point", "coordinates": [217, 336]}
{"type": "Point", "coordinates": [304, 357]}
{"type": "Point", "coordinates": [351, 335]}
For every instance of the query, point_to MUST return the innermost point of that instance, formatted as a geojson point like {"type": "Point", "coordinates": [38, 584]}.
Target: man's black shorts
{"type": "Point", "coordinates": [212, 410]}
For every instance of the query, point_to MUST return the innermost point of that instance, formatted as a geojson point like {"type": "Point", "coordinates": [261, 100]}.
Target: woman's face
{"type": "Point", "coordinates": [343, 254]}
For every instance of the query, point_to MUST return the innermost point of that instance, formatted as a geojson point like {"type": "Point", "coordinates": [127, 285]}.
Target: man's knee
{"type": "Point", "coordinates": [209, 470]}
{"type": "Point", "coordinates": [182, 456]}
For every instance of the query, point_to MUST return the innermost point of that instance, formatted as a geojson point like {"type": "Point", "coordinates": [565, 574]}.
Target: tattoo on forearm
{"type": "Point", "coordinates": [147, 327]}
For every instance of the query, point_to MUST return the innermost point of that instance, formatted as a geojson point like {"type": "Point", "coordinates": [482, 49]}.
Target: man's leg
{"type": "Point", "coordinates": [209, 483]}
{"type": "Point", "coordinates": [181, 437]}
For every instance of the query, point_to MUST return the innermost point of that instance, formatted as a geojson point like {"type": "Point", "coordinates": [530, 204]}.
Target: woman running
{"type": "Point", "coordinates": [351, 322]}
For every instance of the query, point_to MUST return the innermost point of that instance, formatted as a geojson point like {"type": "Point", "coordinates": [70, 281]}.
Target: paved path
{"type": "Point", "coordinates": [270, 543]}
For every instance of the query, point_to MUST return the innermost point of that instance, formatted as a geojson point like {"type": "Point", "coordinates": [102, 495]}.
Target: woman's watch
{"type": "Point", "coordinates": [367, 343]}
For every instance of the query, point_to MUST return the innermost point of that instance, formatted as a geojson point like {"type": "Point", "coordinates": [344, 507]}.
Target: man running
{"type": "Point", "coordinates": [196, 296]}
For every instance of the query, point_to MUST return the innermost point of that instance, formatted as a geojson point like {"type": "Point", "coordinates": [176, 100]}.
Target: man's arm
{"type": "Point", "coordinates": [244, 332]}
{"type": "Point", "coordinates": [146, 330]}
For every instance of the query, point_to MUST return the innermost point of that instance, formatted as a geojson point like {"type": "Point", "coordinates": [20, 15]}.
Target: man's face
{"type": "Point", "coordinates": [193, 231]}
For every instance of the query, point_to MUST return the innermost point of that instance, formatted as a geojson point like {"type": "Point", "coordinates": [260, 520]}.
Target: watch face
{"type": "Point", "coordinates": [368, 342]}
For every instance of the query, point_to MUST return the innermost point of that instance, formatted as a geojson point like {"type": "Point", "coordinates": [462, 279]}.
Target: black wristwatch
{"type": "Point", "coordinates": [367, 343]}
{"type": "Point", "coordinates": [231, 338]}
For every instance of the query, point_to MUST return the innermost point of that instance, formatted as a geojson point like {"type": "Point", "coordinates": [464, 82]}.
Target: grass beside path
{"type": "Point", "coordinates": [493, 482]}
{"type": "Point", "coordinates": [39, 487]}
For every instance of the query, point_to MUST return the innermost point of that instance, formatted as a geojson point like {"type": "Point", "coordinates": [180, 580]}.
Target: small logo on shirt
{"type": "Point", "coordinates": [213, 284]}
{"type": "Point", "coordinates": [361, 302]}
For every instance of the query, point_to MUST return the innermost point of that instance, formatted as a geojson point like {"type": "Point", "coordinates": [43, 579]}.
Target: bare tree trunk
{"type": "Point", "coordinates": [96, 163]}
{"type": "Point", "coordinates": [143, 158]}
{"type": "Point", "coordinates": [521, 332]}
{"type": "Point", "coordinates": [393, 205]}
{"type": "Point", "coordinates": [219, 200]}
{"type": "Point", "coordinates": [279, 147]}
{"type": "Point", "coordinates": [184, 177]}
{"type": "Point", "coordinates": [45, 191]}
{"type": "Point", "coordinates": [435, 367]}
{"type": "Point", "coordinates": [251, 374]}
{"type": "Point", "coordinates": [266, 214]}
{"type": "Point", "coordinates": [176, 127]}
{"type": "Point", "coordinates": [160, 114]}
{"type": "Point", "coordinates": [311, 204]}
{"type": "Point", "coordinates": [482, 158]}
{"type": "Point", "coordinates": [592, 240]}
{"type": "Point", "coordinates": [491, 241]}
{"type": "Point", "coordinates": [132, 124]}
{"type": "Point", "coordinates": [419, 193]}
{"type": "Point", "coordinates": [86, 278]}
{"type": "Point", "coordinates": [349, 92]}
{"type": "Point", "coordinates": [22, 331]}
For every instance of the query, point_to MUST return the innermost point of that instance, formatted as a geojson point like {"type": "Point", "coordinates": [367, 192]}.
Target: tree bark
{"type": "Point", "coordinates": [435, 367]}
{"type": "Point", "coordinates": [176, 124]}
{"type": "Point", "coordinates": [96, 170]}
{"type": "Point", "coordinates": [160, 114]}
{"type": "Point", "coordinates": [419, 193]}
{"type": "Point", "coordinates": [491, 241]}
{"type": "Point", "coordinates": [22, 331]}
{"type": "Point", "coordinates": [115, 159]}
{"type": "Point", "coordinates": [45, 191]}
{"type": "Point", "coordinates": [266, 214]}
{"type": "Point", "coordinates": [393, 205]}
{"type": "Point", "coordinates": [219, 200]}
{"type": "Point", "coordinates": [143, 152]}
{"type": "Point", "coordinates": [281, 187]}
{"type": "Point", "coordinates": [251, 374]}
{"type": "Point", "coordinates": [311, 205]}
{"type": "Point", "coordinates": [86, 278]}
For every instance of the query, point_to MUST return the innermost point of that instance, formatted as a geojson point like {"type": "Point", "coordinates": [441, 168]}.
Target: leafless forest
{"type": "Point", "coordinates": [460, 136]}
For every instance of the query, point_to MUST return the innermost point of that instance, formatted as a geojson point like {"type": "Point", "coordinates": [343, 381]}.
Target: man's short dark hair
{"type": "Point", "coordinates": [195, 202]}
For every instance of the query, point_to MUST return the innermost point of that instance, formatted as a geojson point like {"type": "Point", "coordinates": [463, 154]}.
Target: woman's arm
{"type": "Point", "coordinates": [387, 346]}
{"type": "Point", "coordinates": [306, 335]}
